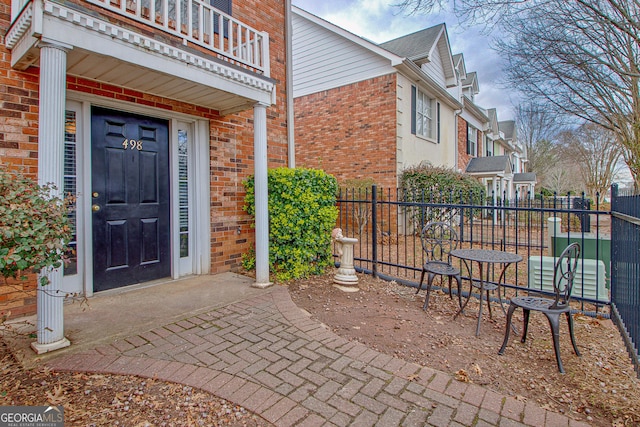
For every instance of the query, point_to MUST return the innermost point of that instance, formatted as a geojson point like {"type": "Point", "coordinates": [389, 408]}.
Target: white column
{"type": "Point", "coordinates": [261, 195]}
{"type": "Point", "coordinates": [50, 298]}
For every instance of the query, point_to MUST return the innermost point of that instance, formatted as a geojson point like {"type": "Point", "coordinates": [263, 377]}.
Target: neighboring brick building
{"type": "Point", "coordinates": [488, 149]}
{"type": "Point", "coordinates": [369, 111]}
{"type": "Point", "coordinates": [472, 120]}
{"type": "Point", "coordinates": [152, 122]}
{"type": "Point", "coordinates": [333, 135]}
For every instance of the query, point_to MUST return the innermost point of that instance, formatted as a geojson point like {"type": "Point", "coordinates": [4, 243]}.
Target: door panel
{"type": "Point", "coordinates": [130, 197]}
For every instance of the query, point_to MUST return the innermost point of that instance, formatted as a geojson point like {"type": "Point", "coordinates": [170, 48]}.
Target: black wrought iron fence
{"type": "Point", "coordinates": [386, 226]}
{"type": "Point", "coordinates": [625, 268]}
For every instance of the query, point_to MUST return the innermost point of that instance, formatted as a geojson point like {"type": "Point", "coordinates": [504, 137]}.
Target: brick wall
{"type": "Point", "coordinates": [231, 145]}
{"type": "Point", "coordinates": [350, 131]}
{"type": "Point", "coordinates": [463, 157]}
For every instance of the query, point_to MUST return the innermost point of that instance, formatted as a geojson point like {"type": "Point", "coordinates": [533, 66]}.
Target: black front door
{"type": "Point", "coordinates": [130, 198]}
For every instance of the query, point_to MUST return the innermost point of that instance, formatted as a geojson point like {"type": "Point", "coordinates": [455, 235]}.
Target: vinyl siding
{"type": "Point", "coordinates": [434, 68]}
{"type": "Point", "coordinates": [323, 60]}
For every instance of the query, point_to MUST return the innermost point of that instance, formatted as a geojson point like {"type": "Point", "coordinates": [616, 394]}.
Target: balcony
{"type": "Point", "coordinates": [198, 22]}
{"type": "Point", "coordinates": [179, 49]}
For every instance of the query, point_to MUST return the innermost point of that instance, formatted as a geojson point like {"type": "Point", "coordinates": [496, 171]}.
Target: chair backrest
{"type": "Point", "coordinates": [438, 240]}
{"type": "Point", "coordinates": [564, 273]}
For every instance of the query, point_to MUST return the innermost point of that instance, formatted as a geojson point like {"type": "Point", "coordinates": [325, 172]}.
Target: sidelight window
{"type": "Point", "coordinates": [70, 187]}
{"type": "Point", "coordinates": [183, 190]}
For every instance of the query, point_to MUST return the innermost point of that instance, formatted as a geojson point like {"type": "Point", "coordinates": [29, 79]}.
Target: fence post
{"type": "Point", "coordinates": [615, 245]}
{"type": "Point", "coordinates": [462, 213]}
{"type": "Point", "coordinates": [374, 228]}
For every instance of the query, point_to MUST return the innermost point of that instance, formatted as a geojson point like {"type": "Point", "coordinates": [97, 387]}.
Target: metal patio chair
{"type": "Point", "coordinates": [438, 240]}
{"type": "Point", "coordinates": [563, 276]}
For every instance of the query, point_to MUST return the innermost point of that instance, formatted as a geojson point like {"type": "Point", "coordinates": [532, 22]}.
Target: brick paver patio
{"type": "Point", "coordinates": [267, 355]}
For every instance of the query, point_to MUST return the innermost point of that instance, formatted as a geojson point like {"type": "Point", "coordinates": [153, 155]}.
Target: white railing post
{"type": "Point", "coordinates": [264, 61]}
{"type": "Point", "coordinates": [240, 42]}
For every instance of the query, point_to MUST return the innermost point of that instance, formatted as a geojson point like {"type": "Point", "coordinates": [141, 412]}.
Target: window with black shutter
{"type": "Point", "coordinates": [472, 139]}
{"type": "Point", "coordinates": [222, 6]}
{"type": "Point", "coordinates": [438, 122]}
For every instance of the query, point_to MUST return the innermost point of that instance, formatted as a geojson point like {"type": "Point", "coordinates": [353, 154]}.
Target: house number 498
{"type": "Point", "coordinates": [132, 144]}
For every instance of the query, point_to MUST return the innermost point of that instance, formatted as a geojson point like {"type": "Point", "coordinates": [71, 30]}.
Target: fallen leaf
{"type": "Point", "coordinates": [55, 397]}
{"type": "Point", "coordinates": [477, 369]}
{"type": "Point", "coordinates": [462, 376]}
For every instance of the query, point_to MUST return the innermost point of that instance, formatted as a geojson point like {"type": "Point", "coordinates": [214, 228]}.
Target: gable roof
{"type": "Point", "coordinates": [460, 66]}
{"type": "Point", "coordinates": [415, 46]}
{"type": "Point", "coordinates": [491, 165]}
{"type": "Point", "coordinates": [525, 177]}
{"type": "Point", "coordinates": [420, 46]}
{"type": "Point", "coordinates": [492, 113]}
{"type": "Point", "coordinates": [508, 128]}
{"type": "Point", "coordinates": [472, 81]}
{"type": "Point", "coordinates": [361, 41]}
{"type": "Point", "coordinates": [401, 63]}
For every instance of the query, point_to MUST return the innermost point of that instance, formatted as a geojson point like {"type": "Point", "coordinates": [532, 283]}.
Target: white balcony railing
{"type": "Point", "coordinates": [200, 23]}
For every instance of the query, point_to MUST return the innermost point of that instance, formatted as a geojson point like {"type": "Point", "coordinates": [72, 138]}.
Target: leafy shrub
{"type": "Point", "coordinates": [34, 227]}
{"type": "Point", "coordinates": [438, 186]}
{"type": "Point", "coordinates": [302, 213]}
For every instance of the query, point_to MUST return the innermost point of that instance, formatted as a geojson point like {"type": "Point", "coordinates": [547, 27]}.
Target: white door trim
{"type": "Point", "coordinates": [199, 182]}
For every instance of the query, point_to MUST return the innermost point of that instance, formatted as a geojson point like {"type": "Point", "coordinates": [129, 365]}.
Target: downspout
{"type": "Point", "coordinates": [456, 115]}
{"type": "Point", "coordinates": [289, 85]}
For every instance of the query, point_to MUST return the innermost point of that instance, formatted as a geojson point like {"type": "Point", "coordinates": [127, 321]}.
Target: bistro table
{"type": "Point", "coordinates": [482, 257]}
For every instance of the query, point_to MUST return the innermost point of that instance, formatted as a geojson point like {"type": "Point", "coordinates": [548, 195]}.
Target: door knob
{"type": "Point", "coordinates": [95, 208]}
{"type": "Point", "coordinates": [95, 194]}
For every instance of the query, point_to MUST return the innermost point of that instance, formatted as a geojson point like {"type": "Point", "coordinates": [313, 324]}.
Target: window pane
{"type": "Point", "coordinates": [424, 122]}
{"type": "Point", "coordinates": [183, 191]}
{"type": "Point", "coordinates": [70, 185]}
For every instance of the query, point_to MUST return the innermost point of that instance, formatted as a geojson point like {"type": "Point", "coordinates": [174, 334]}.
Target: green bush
{"type": "Point", "coordinates": [302, 213]}
{"type": "Point", "coordinates": [34, 227]}
{"type": "Point", "coordinates": [438, 185]}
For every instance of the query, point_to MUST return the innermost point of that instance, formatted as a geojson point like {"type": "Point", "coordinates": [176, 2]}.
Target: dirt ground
{"type": "Point", "coordinates": [116, 400]}
{"type": "Point", "coordinates": [600, 387]}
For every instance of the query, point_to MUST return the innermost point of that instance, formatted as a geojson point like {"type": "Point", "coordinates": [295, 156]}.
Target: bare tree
{"type": "Point", "coordinates": [537, 129]}
{"type": "Point", "coordinates": [560, 178]}
{"type": "Point", "coordinates": [593, 149]}
{"type": "Point", "coordinates": [582, 57]}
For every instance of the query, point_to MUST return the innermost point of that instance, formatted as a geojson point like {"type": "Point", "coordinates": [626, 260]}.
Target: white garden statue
{"type": "Point", "coordinates": [345, 277]}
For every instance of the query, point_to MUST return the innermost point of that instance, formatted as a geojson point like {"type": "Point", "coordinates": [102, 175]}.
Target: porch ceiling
{"type": "Point", "coordinates": [102, 51]}
{"type": "Point", "coordinates": [116, 72]}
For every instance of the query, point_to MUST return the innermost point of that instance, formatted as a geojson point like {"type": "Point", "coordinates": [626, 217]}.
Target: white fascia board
{"type": "Point", "coordinates": [447, 59]}
{"type": "Point", "coordinates": [462, 66]}
{"type": "Point", "coordinates": [360, 41]}
{"type": "Point", "coordinates": [474, 110]}
{"type": "Point", "coordinates": [493, 174]}
{"type": "Point", "coordinates": [416, 75]}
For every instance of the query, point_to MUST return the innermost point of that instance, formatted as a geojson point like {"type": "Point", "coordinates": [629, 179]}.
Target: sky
{"type": "Point", "coordinates": [380, 21]}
